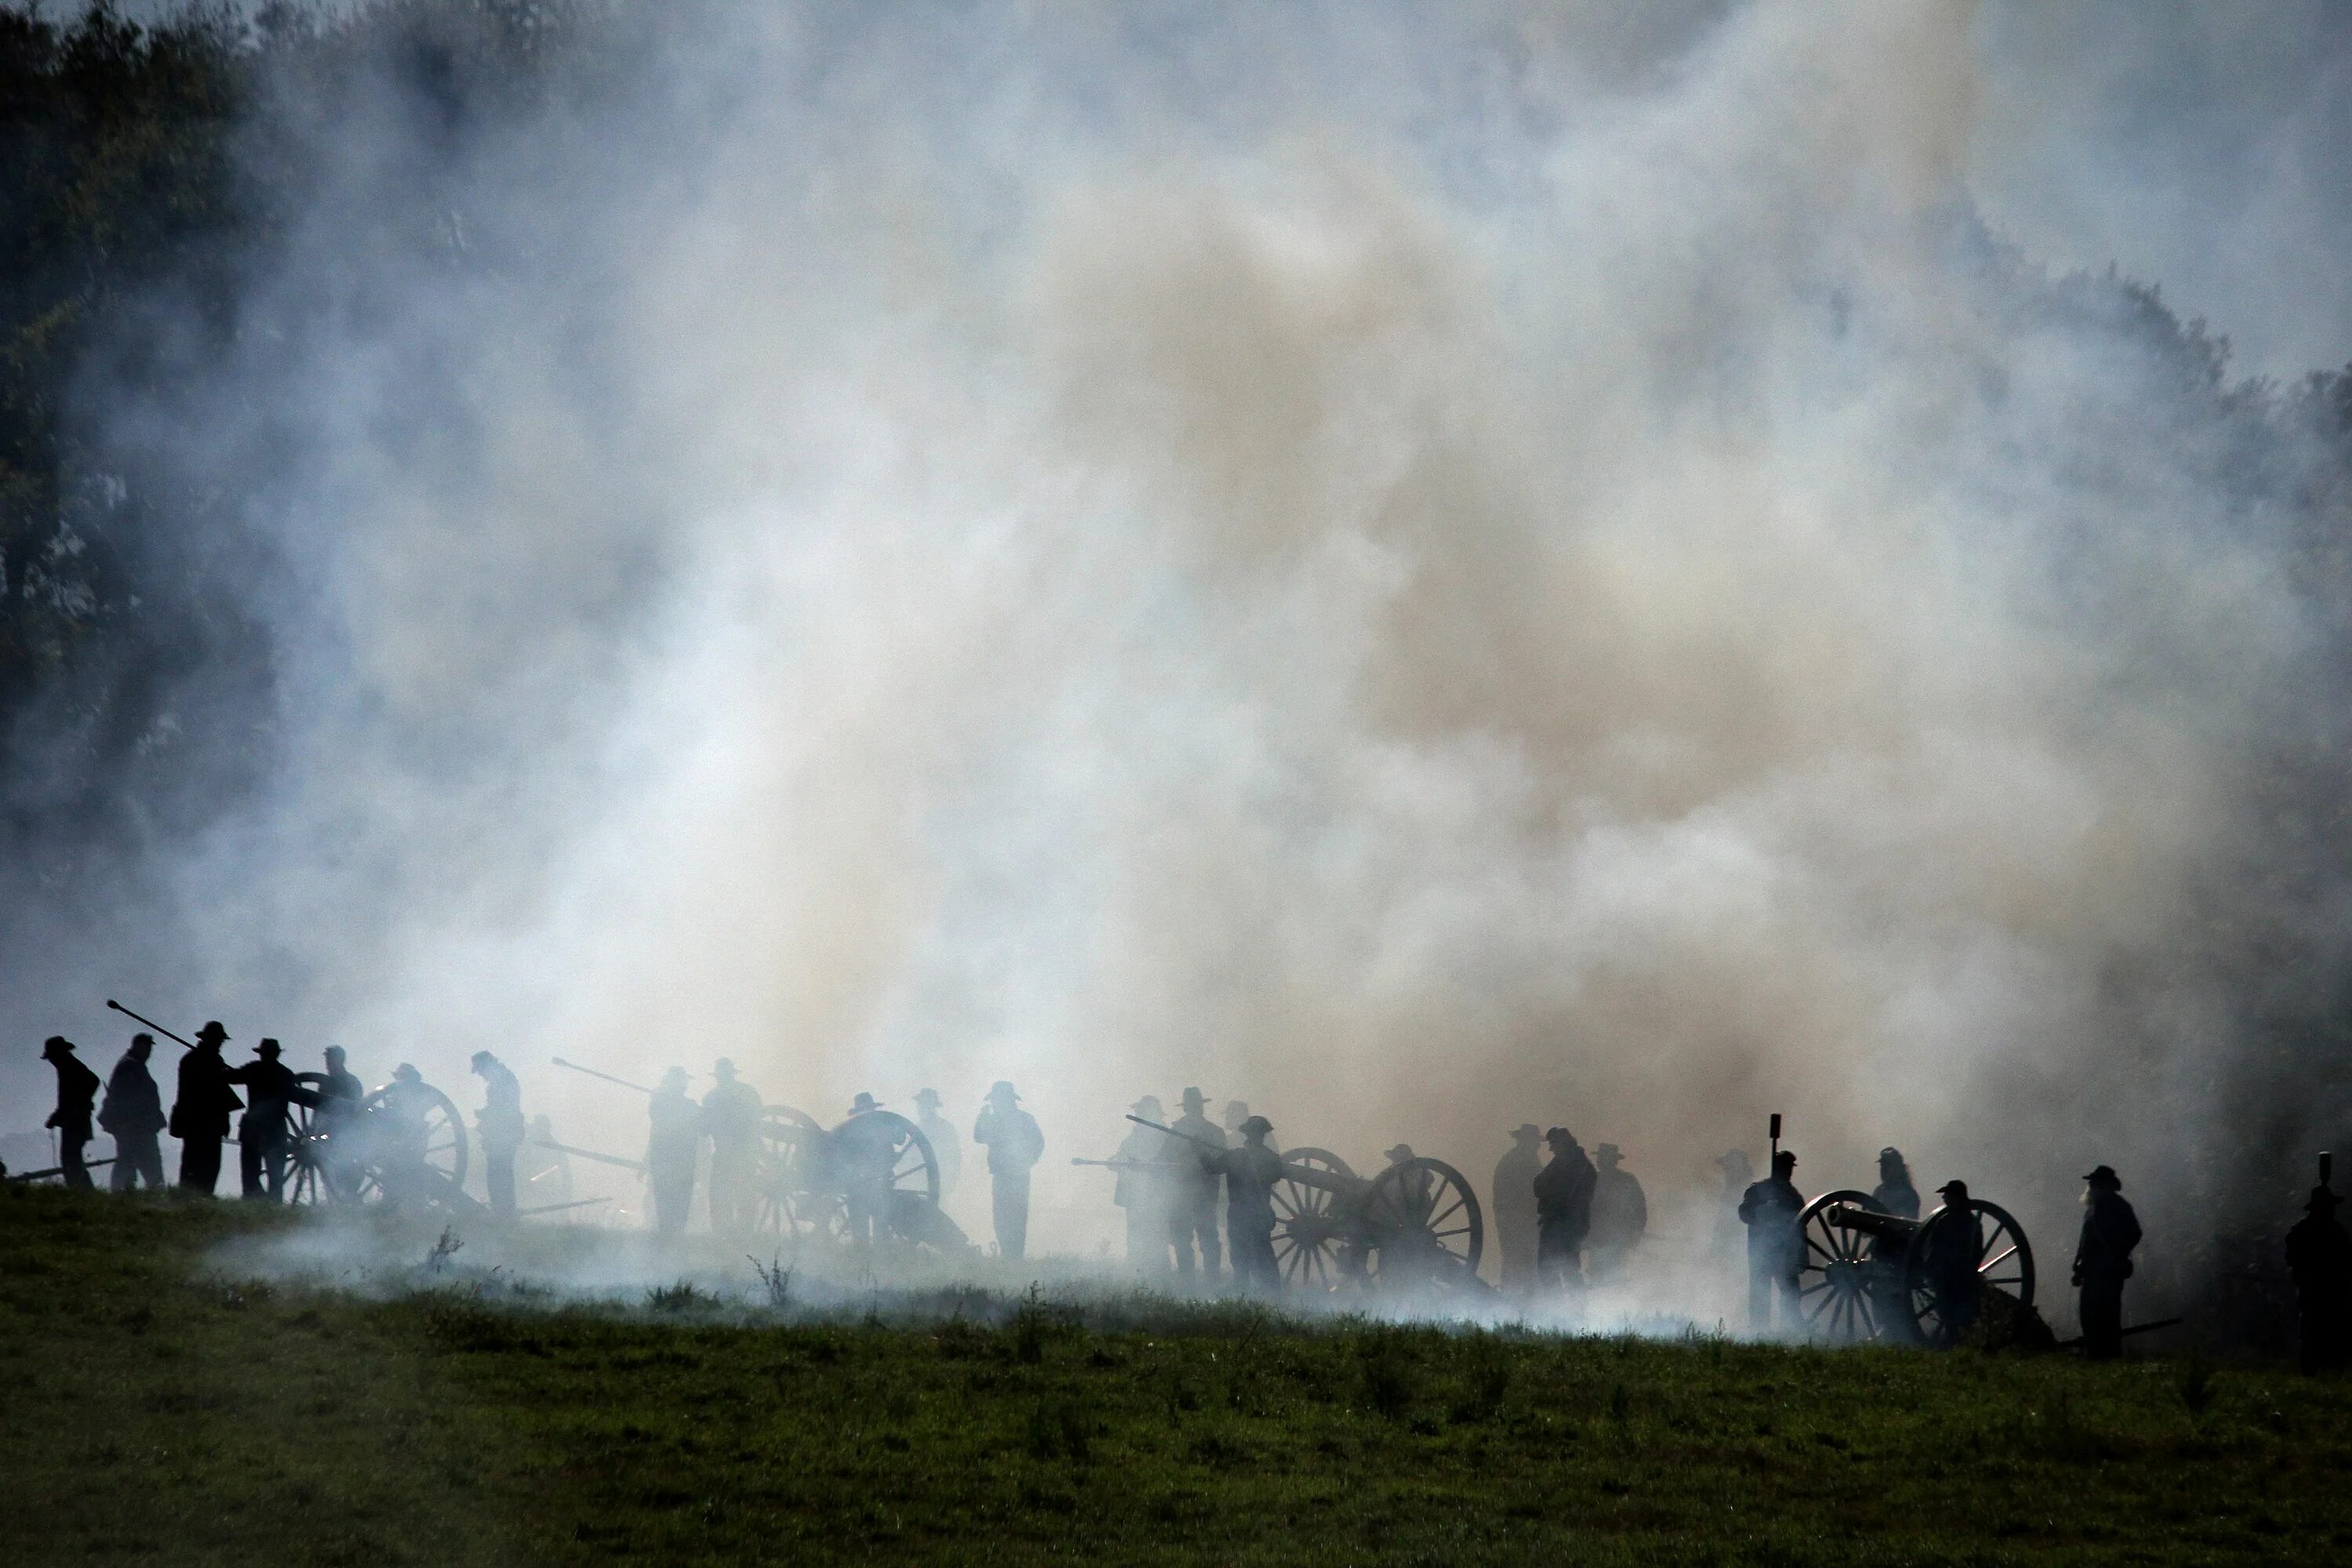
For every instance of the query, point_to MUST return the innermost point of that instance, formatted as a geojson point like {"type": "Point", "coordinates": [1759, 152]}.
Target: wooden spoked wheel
{"type": "Point", "coordinates": [409, 1136]}
{"type": "Point", "coordinates": [1841, 1285]}
{"type": "Point", "coordinates": [1310, 1231]}
{"type": "Point", "coordinates": [1961, 1255]}
{"type": "Point", "coordinates": [1422, 1225]}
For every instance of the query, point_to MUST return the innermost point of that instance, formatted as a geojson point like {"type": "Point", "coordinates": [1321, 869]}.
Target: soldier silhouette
{"type": "Point", "coordinates": [1952, 1255]}
{"type": "Point", "coordinates": [337, 1126]}
{"type": "Point", "coordinates": [2103, 1262]}
{"type": "Point", "coordinates": [501, 1126]}
{"type": "Point", "coordinates": [400, 1132]}
{"type": "Point", "coordinates": [673, 1140]}
{"type": "Point", "coordinates": [1192, 1195]}
{"type": "Point", "coordinates": [1895, 1194]}
{"type": "Point", "coordinates": [1515, 1208]}
{"type": "Point", "coordinates": [133, 1114]}
{"type": "Point", "coordinates": [200, 1110]}
{"type": "Point", "coordinates": [1776, 1248]}
{"type": "Point", "coordinates": [1563, 1190]}
{"type": "Point", "coordinates": [1015, 1145]}
{"type": "Point", "coordinates": [733, 1114]}
{"type": "Point", "coordinates": [946, 1147]}
{"type": "Point", "coordinates": [265, 1136]}
{"type": "Point", "coordinates": [2319, 1256]}
{"type": "Point", "coordinates": [76, 1091]}
{"type": "Point", "coordinates": [1250, 1171]}
{"type": "Point", "coordinates": [863, 1151]}
{"type": "Point", "coordinates": [1621, 1214]}
{"type": "Point", "coordinates": [1142, 1187]}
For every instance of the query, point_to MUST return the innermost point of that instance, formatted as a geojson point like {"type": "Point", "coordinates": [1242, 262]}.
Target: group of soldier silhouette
{"type": "Point", "coordinates": [1563, 1219]}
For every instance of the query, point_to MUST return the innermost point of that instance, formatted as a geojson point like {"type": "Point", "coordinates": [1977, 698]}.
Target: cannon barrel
{"type": "Point", "coordinates": [1872, 1222]}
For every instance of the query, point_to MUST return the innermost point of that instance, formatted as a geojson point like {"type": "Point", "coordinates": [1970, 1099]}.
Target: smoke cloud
{"type": "Point", "coordinates": [1426, 570]}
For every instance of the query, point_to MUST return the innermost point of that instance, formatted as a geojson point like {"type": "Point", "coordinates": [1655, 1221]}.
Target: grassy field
{"type": "Point", "coordinates": [160, 1406]}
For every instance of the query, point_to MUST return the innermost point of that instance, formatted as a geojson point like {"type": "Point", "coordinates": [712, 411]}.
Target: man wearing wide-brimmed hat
{"type": "Point", "coordinates": [1009, 1135]}
{"type": "Point", "coordinates": [732, 1113]}
{"type": "Point", "coordinates": [77, 1093]}
{"type": "Point", "coordinates": [673, 1140]}
{"type": "Point", "coordinates": [1514, 1208]}
{"type": "Point", "coordinates": [2103, 1262]}
{"type": "Point", "coordinates": [200, 1113]}
{"type": "Point", "coordinates": [1191, 1193]}
{"type": "Point", "coordinates": [946, 1147]}
{"type": "Point", "coordinates": [1621, 1214]}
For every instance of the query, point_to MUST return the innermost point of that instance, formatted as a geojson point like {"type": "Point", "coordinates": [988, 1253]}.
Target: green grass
{"type": "Point", "coordinates": [158, 1409]}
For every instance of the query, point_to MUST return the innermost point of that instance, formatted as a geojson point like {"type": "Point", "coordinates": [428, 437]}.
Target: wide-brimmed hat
{"type": "Point", "coordinates": [1559, 1135]}
{"type": "Point", "coordinates": [211, 1031]}
{"type": "Point", "coordinates": [142, 1038]}
{"type": "Point", "coordinates": [2105, 1176]}
{"type": "Point", "coordinates": [1194, 1096]}
{"type": "Point", "coordinates": [1256, 1124]}
{"type": "Point", "coordinates": [927, 1097]}
{"type": "Point", "coordinates": [1001, 1089]}
{"type": "Point", "coordinates": [1608, 1151]}
{"type": "Point", "coordinates": [1148, 1105]}
{"type": "Point", "coordinates": [864, 1103]}
{"type": "Point", "coordinates": [55, 1046]}
{"type": "Point", "coordinates": [1398, 1154]}
{"type": "Point", "coordinates": [269, 1048]}
{"type": "Point", "coordinates": [1527, 1130]}
{"type": "Point", "coordinates": [1890, 1153]}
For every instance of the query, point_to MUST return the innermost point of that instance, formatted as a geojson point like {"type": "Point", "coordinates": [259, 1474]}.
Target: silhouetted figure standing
{"type": "Point", "coordinates": [501, 1126]}
{"type": "Point", "coordinates": [1952, 1258]}
{"type": "Point", "coordinates": [76, 1093]}
{"type": "Point", "coordinates": [1514, 1208]}
{"type": "Point", "coordinates": [1192, 1195]}
{"type": "Point", "coordinates": [863, 1151]}
{"type": "Point", "coordinates": [673, 1140]}
{"type": "Point", "coordinates": [1009, 1135]}
{"type": "Point", "coordinates": [1776, 1246]}
{"type": "Point", "coordinates": [2320, 1257]}
{"type": "Point", "coordinates": [264, 1136]}
{"type": "Point", "coordinates": [336, 1125]}
{"type": "Point", "coordinates": [1621, 1214]}
{"type": "Point", "coordinates": [1250, 1171]}
{"type": "Point", "coordinates": [732, 1113]}
{"type": "Point", "coordinates": [1738, 1175]}
{"type": "Point", "coordinates": [400, 1132]}
{"type": "Point", "coordinates": [2103, 1262]}
{"type": "Point", "coordinates": [1895, 1194]}
{"type": "Point", "coordinates": [200, 1113]}
{"type": "Point", "coordinates": [946, 1147]}
{"type": "Point", "coordinates": [133, 1114]}
{"type": "Point", "coordinates": [1144, 1175]}
{"type": "Point", "coordinates": [1563, 1190]}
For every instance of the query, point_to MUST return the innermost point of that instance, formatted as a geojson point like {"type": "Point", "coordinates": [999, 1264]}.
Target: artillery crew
{"type": "Point", "coordinates": [77, 1093]}
{"type": "Point", "coordinates": [262, 1136]}
{"type": "Point", "coordinates": [1250, 1173]}
{"type": "Point", "coordinates": [501, 1125]}
{"type": "Point", "coordinates": [1145, 1169]}
{"type": "Point", "coordinates": [674, 1138]}
{"type": "Point", "coordinates": [1015, 1145]}
{"type": "Point", "coordinates": [1193, 1196]}
{"type": "Point", "coordinates": [200, 1114]}
{"type": "Point", "coordinates": [732, 1115]}
{"type": "Point", "coordinates": [1770, 1210]}
{"type": "Point", "coordinates": [1563, 1190]}
{"type": "Point", "coordinates": [337, 1124]}
{"type": "Point", "coordinates": [1895, 1194]}
{"type": "Point", "coordinates": [2319, 1256]}
{"type": "Point", "coordinates": [1621, 1214]}
{"type": "Point", "coordinates": [1514, 1208]}
{"type": "Point", "coordinates": [133, 1115]}
{"type": "Point", "coordinates": [2103, 1262]}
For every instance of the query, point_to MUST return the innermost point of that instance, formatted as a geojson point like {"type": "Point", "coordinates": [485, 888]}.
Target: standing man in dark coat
{"type": "Point", "coordinates": [1515, 1208]}
{"type": "Point", "coordinates": [200, 1113]}
{"type": "Point", "coordinates": [1621, 1214]}
{"type": "Point", "coordinates": [77, 1093]}
{"type": "Point", "coordinates": [2320, 1258]}
{"type": "Point", "coordinates": [337, 1125]}
{"type": "Point", "coordinates": [1895, 1194]}
{"type": "Point", "coordinates": [1563, 1190]}
{"type": "Point", "coordinates": [134, 1115]}
{"type": "Point", "coordinates": [1776, 1246]}
{"type": "Point", "coordinates": [1250, 1173]}
{"type": "Point", "coordinates": [2103, 1262]}
{"type": "Point", "coordinates": [731, 1114]}
{"type": "Point", "coordinates": [501, 1125]}
{"type": "Point", "coordinates": [673, 1142]}
{"type": "Point", "coordinates": [1009, 1135]}
{"type": "Point", "coordinates": [946, 1147]}
{"type": "Point", "coordinates": [1192, 1194]}
{"type": "Point", "coordinates": [266, 1134]}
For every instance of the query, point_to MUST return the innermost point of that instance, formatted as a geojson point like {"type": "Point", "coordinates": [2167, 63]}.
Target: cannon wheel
{"type": "Point", "coordinates": [1423, 1222]}
{"type": "Point", "coordinates": [1834, 1282]}
{"type": "Point", "coordinates": [2004, 1262]}
{"type": "Point", "coordinates": [308, 1180]}
{"type": "Point", "coordinates": [790, 1139]}
{"type": "Point", "coordinates": [306, 1149]}
{"type": "Point", "coordinates": [1309, 1231]}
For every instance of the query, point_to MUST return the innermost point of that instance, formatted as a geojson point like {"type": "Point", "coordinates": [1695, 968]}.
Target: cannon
{"type": "Point", "coordinates": [875, 1177]}
{"type": "Point", "coordinates": [1872, 1275]}
{"type": "Point", "coordinates": [403, 1142]}
{"type": "Point", "coordinates": [1417, 1225]}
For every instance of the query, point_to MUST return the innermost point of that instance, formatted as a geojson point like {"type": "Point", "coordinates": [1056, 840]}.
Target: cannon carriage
{"type": "Point", "coordinates": [874, 1178]}
{"type": "Point", "coordinates": [1870, 1276]}
{"type": "Point", "coordinates": [1415, 1225]}
{"type": "Point", "coordinates": [402, 1142]}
